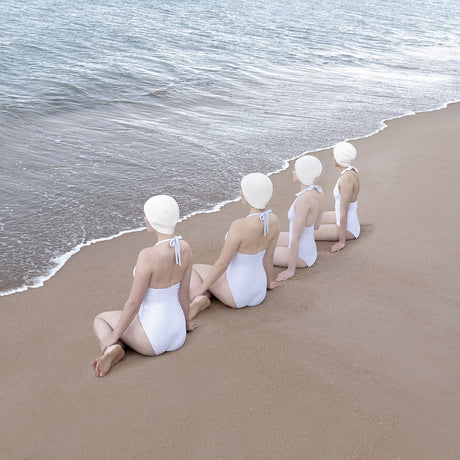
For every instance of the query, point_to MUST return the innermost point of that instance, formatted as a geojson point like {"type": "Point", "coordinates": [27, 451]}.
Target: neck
{"type": "Point", "coordinates": [303, 186]}
{"type": "Point", "coordinates": [255, 210]}
{"type": "Point", "coordinates": [164, 236]}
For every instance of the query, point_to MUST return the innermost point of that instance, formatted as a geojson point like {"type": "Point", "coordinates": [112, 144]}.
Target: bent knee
{"type": "Point", "coordinates": [107, 316]}
{"type": "Point", "coordinates": [201, 269]}
{"type": "Point", "coordinates": [351, 236]}
{"type": "Point", "coordinates": [302, 264]}
{"type": "Point", "coordinates": [99, 316]}
{"type": "Point", "coordinates": [283, 239]}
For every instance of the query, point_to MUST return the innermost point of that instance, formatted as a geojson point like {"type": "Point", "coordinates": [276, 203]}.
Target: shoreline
{"type": "Point", "coordinates": [61, 260]}
{"type": "Point", "coordinates": [354, 357]}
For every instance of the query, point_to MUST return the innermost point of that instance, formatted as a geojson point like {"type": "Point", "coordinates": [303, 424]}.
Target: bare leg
{"type": "Point", "coordinates": [283, 240]}
{"type": "Point", "coordinates": [105, 322]}
{"type": "Point", "coordinates": [199, 303]}
{"type": "Point", "coordinates": [199, 272]}
{"type": "Point", "coordinates": [281, 255]}
{"type": "Point", "coordinates": [330, 232]}
{"type": "Point", "coordinates": [134, 336]}
{"type": "Point", "coordinates": [219, 289]}
{"type": "Point", "coordinates": [281, 258]}
{"type": "Point", "coordinates": [111, 356]}
{"type": "Point", "coordinates": [327, 232]}
{"type": "Point", "coordinates": [328, 217]}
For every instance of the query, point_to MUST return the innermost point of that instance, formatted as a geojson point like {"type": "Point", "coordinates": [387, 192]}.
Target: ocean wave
{"type": "Point", "coordinates": [107, 103]}
{"type": "Point", "coordinates": [58, 262]}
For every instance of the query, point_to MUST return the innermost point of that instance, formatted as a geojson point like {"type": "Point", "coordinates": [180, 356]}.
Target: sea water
{"type": "Point", "coordinates": [104, 103]}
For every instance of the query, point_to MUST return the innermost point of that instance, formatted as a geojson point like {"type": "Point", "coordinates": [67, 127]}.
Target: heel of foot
{"type": "Point", "coordinates": [199, 303]}
{"type": "Point", "coordinates": [111, 356]}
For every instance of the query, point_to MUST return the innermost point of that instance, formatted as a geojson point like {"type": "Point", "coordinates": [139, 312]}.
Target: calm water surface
{"type": "Point", "coordinates": [105, 103]}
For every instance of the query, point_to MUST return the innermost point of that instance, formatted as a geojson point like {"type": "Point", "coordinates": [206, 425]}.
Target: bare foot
{"type": "Point", "coordinates": [200, 302]}
{"type": "Point", "coordinates": [111, 356]}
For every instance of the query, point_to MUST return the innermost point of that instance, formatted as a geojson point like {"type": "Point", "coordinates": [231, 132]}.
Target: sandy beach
{"type": "Point", "coordinates": [354, 358]}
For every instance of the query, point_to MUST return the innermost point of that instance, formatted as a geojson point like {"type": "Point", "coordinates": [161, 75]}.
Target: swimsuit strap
{"type": "Point", "coordinates": [312, 187]}
{"type": "Point", "coordinates": [173, 243]}
{"type": "Point", "coordinates": [263, 216]}
{"type": "Point", "coordinates": [350, 168]}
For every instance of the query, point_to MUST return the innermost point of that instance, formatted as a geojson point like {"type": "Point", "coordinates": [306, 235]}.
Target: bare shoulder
{"type": "Point", "coordinates": [146, 252]}
{"type": "Point", "coordinates": [144, 260]}
{"type": "Point", "coordinates": [186, 253]}
{"type": "Point", "coordinates": [349, 179]}
{"type": "Point", "coordinates": [184, 246]}
{"type": "Point", "coordinates": [273, 216]}
{"type": "Point", "coordinates": [317, 199]}
{"type": "Point", "coordinates": [237, 230]}
{"type": "Point", "coordinates": [274, 219]}
{"type": "Point", "coordinates": [237, 225]}
{"type": "Point", "coordinates": [309, 198]}
{"type": "Point", "coordinates": [320, 195]}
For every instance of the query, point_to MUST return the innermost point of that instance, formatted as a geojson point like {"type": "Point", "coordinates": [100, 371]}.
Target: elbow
{"type": "Point", "coordinates": [220, 267]}
{"type": "Point", "coordinates": [132, 306]}
{"type": "Point", "coordinates": [184, 298]}
{"type": "Point", "coordinates": [295, 241]}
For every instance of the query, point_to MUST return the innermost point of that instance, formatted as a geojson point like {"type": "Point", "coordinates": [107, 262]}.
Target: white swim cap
{"type": "Point", "coordinates": [257, 189]}
{"type": "Point", "coordinates": [344, 154]}
{"type": "Point", "coordinates": [162, 212]}
{"type": "Point", "coordinates": [307, 169]}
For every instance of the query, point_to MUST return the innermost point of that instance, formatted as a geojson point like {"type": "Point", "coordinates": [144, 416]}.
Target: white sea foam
{"type": "Point", "coordinates": [158, 108]}
{"type": "Point", "coordinates": [58, 262]}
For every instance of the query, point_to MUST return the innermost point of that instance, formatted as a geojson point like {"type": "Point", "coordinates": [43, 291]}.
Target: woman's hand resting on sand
{"type": "Point", "coordinates": [285, 275]}
{"type": "Point", "coordinates": [190, 326]}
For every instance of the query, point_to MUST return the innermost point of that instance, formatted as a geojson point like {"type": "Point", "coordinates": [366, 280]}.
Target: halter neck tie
{"type": "Point", "coordinates": [263, 216]}
{"type": "Point", "coordinates": [312, 187]}
{"type": "Point", "coordinates": [173, 243]}
{"type": "Point", "coordinates": [350, 168]}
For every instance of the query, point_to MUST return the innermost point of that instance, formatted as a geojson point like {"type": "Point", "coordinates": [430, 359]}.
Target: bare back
{"type": "Point", "coordinates": [250, 233]}
{"type": "Point", "coordinates": [160, 261]}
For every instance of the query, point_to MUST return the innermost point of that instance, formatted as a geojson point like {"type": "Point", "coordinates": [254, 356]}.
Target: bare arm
{"type": "Point", "coordinates": [184, 293]}
{"type": "Point", "coordinates": [229, 250]}
{"type": "Point", "coordinates": [346, 191]}
{"type": "Point", "coordinates": [268, 257]}
{"type": "Point", "coordinates": [140, 284]}
{"type": "Point", "coordinates": [301, 209]}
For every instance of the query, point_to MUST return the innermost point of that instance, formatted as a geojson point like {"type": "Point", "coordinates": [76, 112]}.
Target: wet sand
{"type": "Point", "coordinates": [356, 357]}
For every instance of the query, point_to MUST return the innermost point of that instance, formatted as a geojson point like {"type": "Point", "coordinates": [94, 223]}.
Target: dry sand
{"type": "Point", "coordinates": [356, 357]}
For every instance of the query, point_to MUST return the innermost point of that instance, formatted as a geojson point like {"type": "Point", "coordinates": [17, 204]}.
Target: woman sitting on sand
{"type": "Point", "coordinates": [243, 272]}
{"type": "Point", "coordinates": [297, 248]}
{"type": "Point", "coordinates": [155, 316]}
{"type": "Point", "coordinates": [342, 224]}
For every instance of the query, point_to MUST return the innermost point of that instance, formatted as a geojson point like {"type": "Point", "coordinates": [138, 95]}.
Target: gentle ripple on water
{"type": "Point", "coordinates": [106, 103]}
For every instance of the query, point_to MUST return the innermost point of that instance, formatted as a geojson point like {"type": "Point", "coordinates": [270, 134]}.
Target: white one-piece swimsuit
{"type": "Point", "coordinates": [161, 315]}
{"type": "Point", "coordinates": [246, 274]}
{"type": "Point", "coordinates": [307, 245]}
{"type": "Point", "coordinates": [352, 216]}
